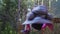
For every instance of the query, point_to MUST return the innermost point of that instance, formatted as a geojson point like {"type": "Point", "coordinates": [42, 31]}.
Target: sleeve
{"type": "Point", "coordinates": [49, 16]}
{"type": "Point", "coordinates": [30, 16]}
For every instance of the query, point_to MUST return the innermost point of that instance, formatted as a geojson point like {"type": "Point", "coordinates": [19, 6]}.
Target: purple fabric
{"type": "Point", "coordinates": [40, 8]}
{"type": "Point", "coordinates": [37, 20]}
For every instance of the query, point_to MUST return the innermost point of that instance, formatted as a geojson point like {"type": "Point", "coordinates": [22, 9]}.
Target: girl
{"type": "Point", "coordinates": [37, 18]}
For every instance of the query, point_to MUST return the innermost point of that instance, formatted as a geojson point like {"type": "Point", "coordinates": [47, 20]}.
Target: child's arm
{"type": "Point", "coordinates": [49, 17]}
{"type": "Point", "coordinates": [30, 16]}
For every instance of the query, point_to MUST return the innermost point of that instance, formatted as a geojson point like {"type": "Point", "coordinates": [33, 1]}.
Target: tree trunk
{"type": "Point", "coordinates": [17, 18]}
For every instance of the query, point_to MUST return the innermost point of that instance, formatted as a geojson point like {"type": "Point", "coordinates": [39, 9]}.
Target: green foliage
{"type": "Point", "coordinates": [7, 11]}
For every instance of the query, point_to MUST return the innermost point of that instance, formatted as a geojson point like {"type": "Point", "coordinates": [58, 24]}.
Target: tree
{"type": "Point", "coordinates": [8, 10]}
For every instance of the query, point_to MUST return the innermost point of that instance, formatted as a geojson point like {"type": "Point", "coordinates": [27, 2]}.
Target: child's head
{"type": "Point", "coordinates": [40, 8]}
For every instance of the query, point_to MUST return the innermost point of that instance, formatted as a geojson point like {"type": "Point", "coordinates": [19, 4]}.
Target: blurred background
{"type": "Point", "coordinates": [13, 13]}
